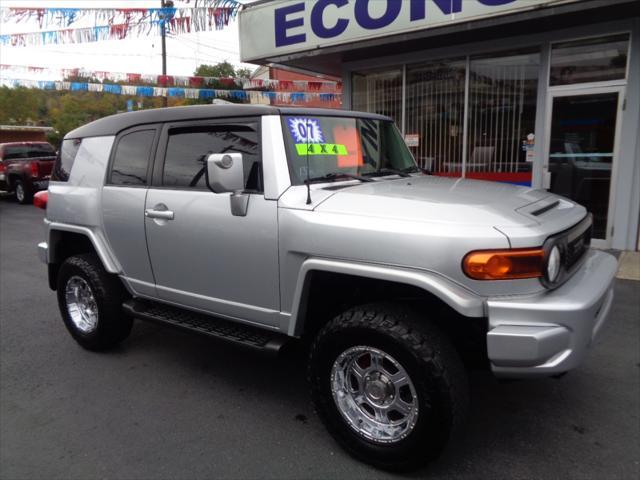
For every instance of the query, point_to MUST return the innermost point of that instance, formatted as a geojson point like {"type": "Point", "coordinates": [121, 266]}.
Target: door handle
{"type": "Point", "coordinates": [161, 214]}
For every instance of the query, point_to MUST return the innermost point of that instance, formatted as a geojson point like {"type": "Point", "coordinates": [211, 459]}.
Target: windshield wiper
{"type": "Point", "coordinates": [336, 176]}
{"type": "Point", "coordinates": [416, 169]}
{"type": "Point", "coordinates": [388, 171]}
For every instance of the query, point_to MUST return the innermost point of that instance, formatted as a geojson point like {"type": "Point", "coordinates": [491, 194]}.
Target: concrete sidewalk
{"type": "Point", "coordinates": [629, 266]}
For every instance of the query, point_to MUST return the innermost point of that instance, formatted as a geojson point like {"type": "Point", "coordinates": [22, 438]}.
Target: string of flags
{"type": "Point", "coordinates": [180, 81]}
{"type": "Point", "coordinates": [55, 17]}
{"type": "Point", "coordinates": [180, 92]}
{"type": "Point", "coordinates": [113, 23]}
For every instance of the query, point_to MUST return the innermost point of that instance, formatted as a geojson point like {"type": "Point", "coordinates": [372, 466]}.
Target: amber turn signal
{"type": "Point", "coordinates": [504, 264]}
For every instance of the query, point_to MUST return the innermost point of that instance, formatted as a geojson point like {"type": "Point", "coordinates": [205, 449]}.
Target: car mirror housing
{"type": "Point", "coordinates": [225, 172]}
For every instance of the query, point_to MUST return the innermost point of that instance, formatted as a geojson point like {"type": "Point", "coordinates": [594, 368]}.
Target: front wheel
{"type": "Point", "coordinates": [388, 385]}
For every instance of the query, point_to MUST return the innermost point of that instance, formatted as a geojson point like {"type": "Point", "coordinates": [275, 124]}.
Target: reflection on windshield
{"type": "Point", "coordinates": [333, 147]}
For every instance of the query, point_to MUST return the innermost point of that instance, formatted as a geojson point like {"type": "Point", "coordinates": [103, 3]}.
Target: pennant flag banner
{"type": "Point", "coordinates": [198, 93]}
{"type": "Point", "coordinates": [179, 81]}
{"type": "Point", "coordinates": [114, 23]}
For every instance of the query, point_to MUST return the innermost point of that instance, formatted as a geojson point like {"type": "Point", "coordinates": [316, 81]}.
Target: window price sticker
{"type": "Point", "coordinates": [305, 130]}
{"type": "Point", "coordinates": [321, 149]}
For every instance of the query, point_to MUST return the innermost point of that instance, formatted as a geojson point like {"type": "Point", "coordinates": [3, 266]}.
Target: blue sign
{"type": "Point", "coordinates": [286, 17]}
{"type": "Point", "coordinates": [289, 26]}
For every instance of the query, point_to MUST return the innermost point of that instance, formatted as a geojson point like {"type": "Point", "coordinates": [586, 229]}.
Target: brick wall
{"type": "Point", "coordinates": [22, 136]}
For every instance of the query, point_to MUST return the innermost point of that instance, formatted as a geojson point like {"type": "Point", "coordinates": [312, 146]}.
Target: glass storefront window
{"type": "Point", "coordinates": [379, 92]}
{"type": "Point", "coordinates": [502, 113]}
{"type": "Point", "coordinates": [435, 115]}
{"type": "Point", "coordinates": [589, 60]}
{"type": "Point", "coordinates": [500, 118]}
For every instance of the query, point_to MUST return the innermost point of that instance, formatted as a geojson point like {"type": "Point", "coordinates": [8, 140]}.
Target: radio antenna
{"type": "Point", "coordinates": [307, 181]}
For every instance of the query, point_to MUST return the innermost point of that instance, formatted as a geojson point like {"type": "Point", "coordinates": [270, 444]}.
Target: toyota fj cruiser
{"type": "Point", "coordinates": [262, 226]}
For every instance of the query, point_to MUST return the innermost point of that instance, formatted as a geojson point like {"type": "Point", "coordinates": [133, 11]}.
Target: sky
{"type": "Point", "coordinates": [137, 55]}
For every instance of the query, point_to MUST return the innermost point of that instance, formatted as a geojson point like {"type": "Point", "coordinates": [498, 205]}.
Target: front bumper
{"type": "Point", "coordinates": [550, 333]}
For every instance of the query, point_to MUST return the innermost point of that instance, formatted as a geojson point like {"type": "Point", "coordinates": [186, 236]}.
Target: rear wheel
{"type": "Point", "coordinates": [90, 301]}
{"type": "Point", "coordinates": [23, 195]}
{"type": "Point", "coordinates": [388, 385]}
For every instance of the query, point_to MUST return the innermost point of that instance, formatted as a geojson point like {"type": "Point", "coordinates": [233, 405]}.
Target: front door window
{"type": "Point", "coordinates": [581, 152]}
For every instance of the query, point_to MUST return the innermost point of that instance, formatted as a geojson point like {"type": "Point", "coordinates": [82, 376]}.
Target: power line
{"type": "Point", "coordinates": [191, 43]}
{"type": "Point", "coordinates": [218, 40]}
{"type": "Point", "coordinates": [206, 46]}
{"type": "Point", "coordinates": [147, 55]}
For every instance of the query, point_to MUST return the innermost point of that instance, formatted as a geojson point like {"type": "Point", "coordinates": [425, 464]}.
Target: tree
{"type": "Point", "coordinates": [222, 69]}
{"type": "Point", "coordinates": [243, 72]}
{"type": "Point", "coordinates": [19, 105]}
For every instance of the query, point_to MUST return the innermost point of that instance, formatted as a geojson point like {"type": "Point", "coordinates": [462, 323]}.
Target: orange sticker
{"type": "Point", "coordinates": [350, 138]}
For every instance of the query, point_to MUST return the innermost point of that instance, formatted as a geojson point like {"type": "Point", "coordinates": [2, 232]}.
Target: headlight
{"type": "Point", "coordinates": [553, 264]}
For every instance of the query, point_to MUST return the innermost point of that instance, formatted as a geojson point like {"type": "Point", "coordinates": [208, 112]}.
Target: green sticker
{"type": "Point", "coordinates": [321, 149]}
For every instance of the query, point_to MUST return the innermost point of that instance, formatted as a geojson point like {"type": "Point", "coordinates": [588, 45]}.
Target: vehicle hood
{"type": "Point", "coordinates": [435, 199]}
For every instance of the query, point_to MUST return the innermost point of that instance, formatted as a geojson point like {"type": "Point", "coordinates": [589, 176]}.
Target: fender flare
{"type": "Point", "coordinates": [457, 297]}
{"type": "Point", "coordinates": [111, 265]}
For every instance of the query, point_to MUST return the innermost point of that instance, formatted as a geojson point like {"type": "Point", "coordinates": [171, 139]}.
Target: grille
{"type": "Point", "coordinates": [573, 243]}
{"type": "Point", "coordinates": [577, 247]}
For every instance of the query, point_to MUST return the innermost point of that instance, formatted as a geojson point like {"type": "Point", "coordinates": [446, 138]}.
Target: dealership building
{"type": "Point", "coordinates": [535, 92]}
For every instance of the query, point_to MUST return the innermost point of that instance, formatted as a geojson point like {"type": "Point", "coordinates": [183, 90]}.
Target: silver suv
{"type": "Point", "coordinates": [265, 226]}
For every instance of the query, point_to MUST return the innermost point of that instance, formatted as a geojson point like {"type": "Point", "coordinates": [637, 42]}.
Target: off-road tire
{"type": "Point", "coordinates": [113, 325]}
{"type": "Point", "coordinates": [23, 195]}
{"type": "Point", "coordinates": [428, 357]}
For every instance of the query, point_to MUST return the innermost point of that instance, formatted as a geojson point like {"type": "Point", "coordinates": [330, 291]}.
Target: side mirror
{"type": "Point", "coordinates": [225, 172]}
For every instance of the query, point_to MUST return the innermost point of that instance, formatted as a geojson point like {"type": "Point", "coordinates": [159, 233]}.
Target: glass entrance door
{"type": "Point", "coordinates": [582, 152]}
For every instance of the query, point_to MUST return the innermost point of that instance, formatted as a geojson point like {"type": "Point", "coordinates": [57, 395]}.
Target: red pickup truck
{"type": "Point", "coordinates": [25, 168]}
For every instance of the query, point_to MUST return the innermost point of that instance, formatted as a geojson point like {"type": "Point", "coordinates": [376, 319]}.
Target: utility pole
{"type": "Point", "coordinates": [163, 34]}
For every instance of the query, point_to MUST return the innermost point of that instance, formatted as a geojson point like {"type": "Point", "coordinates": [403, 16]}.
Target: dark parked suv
{"type": "Point", "coordinates": [25, 168]}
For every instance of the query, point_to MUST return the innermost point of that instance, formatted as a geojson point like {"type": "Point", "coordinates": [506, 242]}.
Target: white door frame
{"type": "Point", "coordinates": [587, 89]}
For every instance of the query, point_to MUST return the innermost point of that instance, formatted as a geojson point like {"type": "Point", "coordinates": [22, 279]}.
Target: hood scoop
{"type": "Point", "coordinates": [546, 208]}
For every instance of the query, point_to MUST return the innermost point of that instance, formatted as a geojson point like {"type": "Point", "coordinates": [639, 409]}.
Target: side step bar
{"type": "Point", "coordinates": [211, 326]}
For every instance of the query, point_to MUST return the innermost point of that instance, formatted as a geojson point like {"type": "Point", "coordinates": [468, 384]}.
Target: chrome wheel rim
{"type": "Point", "coordinates": [19, 192]}
{"type": "Point", "coordinates": [374, 394]}
{"type": "Point", "coordinates": [81, 304]}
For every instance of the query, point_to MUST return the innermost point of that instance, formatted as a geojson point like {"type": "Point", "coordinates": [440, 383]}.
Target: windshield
{"type": "Point", "coordinates": [340, 145]}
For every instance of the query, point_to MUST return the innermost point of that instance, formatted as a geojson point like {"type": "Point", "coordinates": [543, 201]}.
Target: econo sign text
{"type": "Point", "coordinates": [289, 18]}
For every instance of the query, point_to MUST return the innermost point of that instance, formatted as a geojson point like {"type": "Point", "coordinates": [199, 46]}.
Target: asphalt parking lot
{"type": "Point", "coordinates": [170, 405]}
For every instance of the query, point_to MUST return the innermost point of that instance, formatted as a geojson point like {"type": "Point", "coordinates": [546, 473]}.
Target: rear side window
{"type": "Point", "coordinates": [131, 159]}
{"type": "Point", "coordinates": [66, 157]}
{"type": "Point", "coordinates": [189, 147]}
{"type": "Point", "coordinates": [28, 151]}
